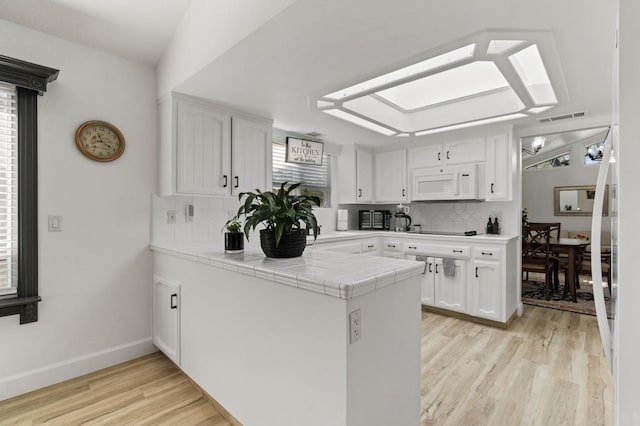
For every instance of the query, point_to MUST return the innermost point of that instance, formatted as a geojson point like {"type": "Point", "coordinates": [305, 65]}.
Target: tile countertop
{"type": "Point", "coordinates": [352, 235]}
{"type": "Point", "coordinates": [340, 275]}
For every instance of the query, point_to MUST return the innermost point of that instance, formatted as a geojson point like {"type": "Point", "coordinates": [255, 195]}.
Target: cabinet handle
{"type": "Point", "coordinates": [359, 192]}
{"type": "Point", "coordinates": [439, 157]}
{"type": "Point", "coordinates": [476, 272]}
{"type": "Point", "coordinates": [174, 301]}
{"type": "Point", "coordinates": [391, 245]}
{"type": "Point", "coordinates": [447, 155]}
{"type": "Point", "coordinates": [403, 192]}
{"type": "Point", "coordinates": [430, 270]}
{"type": "Point", "coordinates": [237, 182]}
{"type": "Point", "coordinates": [224, 185]}
{"type": "Point", "coordinates": [370, 246]}
{"type": "Point", "coordinates": [457, 251]}
{"type": "Point", "coordinates": [492, 187]}
{"type": "Point", "coordinates": [413, 247]}
{"type": "Point", "coordinates": [487, 254]}
{"type": "Point", "coordinates": [436, 268]}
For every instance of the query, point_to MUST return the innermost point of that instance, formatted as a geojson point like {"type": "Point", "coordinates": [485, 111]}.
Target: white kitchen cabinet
{"type": "Point", "coordinates": [251, 154]}
{"type": "Point", "coordinates": [166, 317]}
{"type": "Point", "coordinates": [451, 291]}
{"type": "Point", "coordinates": [203, 149]}
{"type": "Point", "coordinates": [498, 168]}
{"type": "Point", "coordinates": [487, 283]}
{"type": "Point", "coordinates": [206, 149]}
{"type": "Point", "coordinates": [370, 246]}
{"type": "Point", "coordinates": [449, 153]}
{"type": "Point", "coordinates": [391, 176]}
{"type": "Point", "coordinates": [355, 175]}
{"type": "Point", "coordinates": [353, 247]}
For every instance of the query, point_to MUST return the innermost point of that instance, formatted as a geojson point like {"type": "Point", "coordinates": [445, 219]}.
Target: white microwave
{"type": "Point", "coordinates": [445, 183]}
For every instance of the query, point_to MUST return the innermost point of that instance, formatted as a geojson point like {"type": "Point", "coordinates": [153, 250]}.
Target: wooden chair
{"type": "Point", "coordinates": [554, 233]}
{"type": "Point", "coordinates": [536, 256]}
{"type": "Point", "coordinates": [584, 267]}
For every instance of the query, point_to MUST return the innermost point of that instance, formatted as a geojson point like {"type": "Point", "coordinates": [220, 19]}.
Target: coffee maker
{"type": "Point", "coordinates": [402, 220]}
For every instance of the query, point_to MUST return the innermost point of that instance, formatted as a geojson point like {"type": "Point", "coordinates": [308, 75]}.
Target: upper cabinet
{"type": "Point", "coordinates": [497, 182]}
{"type": "Point", "coordinates": [448, 154]}
{"type": "Point", "coordinates": [211, 150]}
{"type": "Point", "coordinates": [355, 175]}
{"type": "Point", "coordinates": [391, 176]}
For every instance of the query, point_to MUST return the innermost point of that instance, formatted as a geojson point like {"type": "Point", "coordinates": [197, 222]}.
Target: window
{"type": "Point", "coordinates": [594, 153]}
{"type": "Point", "coordinates": [561, 160]}
{"type": "Point", "coordinates": [316, 180]}
{"type": "Point", "coordinates": [20, 84]}
{"type": "Point", "coordinates": [8, 190]}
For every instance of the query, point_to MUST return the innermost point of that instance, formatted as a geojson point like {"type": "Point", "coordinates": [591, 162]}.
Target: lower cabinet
{"type": "Point", "coordinates": [487, 284]}
{"type": "Point", "coordinates": [447, 291]}
{"type": "Point", "coordinates": [166, 317]}
{"type": "Point", "coordinates": [451, 289]}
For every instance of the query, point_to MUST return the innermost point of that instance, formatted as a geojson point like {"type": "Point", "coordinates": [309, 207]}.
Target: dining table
{"type": "Point", "coordinates": [572, 247]}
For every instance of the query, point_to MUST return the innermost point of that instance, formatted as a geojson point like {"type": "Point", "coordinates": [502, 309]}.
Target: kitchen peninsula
{"type": "Point", "coordinates": [326, 338]}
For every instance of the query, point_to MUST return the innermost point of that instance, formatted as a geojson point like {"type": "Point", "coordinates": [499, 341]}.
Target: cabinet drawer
{"type": "Point", "coordinates": [370, 246]}
{"type": "Point", "coordinates": [461, 252]}
{"type": "Point", "coordinates": [487, 253]}
{"type": "Point", "coordinates": [392, 245]}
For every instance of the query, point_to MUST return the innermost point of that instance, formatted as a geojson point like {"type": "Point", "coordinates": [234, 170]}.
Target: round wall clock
{"type": "Point", "coordinates": [100, 141]}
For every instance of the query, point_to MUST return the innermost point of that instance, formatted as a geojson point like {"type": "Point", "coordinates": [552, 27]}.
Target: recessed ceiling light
{"type": "Point", "coordinates": [455, 89]}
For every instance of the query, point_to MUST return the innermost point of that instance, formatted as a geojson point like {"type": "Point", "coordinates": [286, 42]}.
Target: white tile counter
{"type": "Point", "coordinates": [334, 274]}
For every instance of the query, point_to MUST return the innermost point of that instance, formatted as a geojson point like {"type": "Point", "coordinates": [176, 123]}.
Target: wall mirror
{"type": "Point", "coordinates": [578, 200]}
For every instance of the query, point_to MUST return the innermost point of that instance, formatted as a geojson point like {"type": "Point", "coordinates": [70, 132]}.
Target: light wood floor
{"type": "Point", "coordinates": [546, 369]}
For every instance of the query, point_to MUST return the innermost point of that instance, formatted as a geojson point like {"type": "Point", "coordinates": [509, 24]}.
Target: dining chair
{"type": "Point", "coordinates": [536, 256]}
{"type": "Point", "coordinates": [584, 267]}
{"type": "Point", "coordinates": [556, 258]}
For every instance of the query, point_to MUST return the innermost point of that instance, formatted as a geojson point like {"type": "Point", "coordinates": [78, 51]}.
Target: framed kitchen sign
{"type": "Point", "coordinates": [304, 152]}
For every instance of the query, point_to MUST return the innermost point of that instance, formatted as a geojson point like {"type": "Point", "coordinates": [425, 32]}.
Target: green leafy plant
{"type": "Point", "coordinates": [233, 226]}
{"type": "Point", "coordinates": [280, 211]}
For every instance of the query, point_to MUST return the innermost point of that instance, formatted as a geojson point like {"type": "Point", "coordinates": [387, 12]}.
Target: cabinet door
{"type": "Point", "coordinates": [251, 155]}
{"type": "Point", "coordinates": [498, 169]}
{"type": "Point", "coordinates": [425, 156]}
{"type": "Point", "coordinates": [364, 176]}
{"type": "Point", "coordinates": [450, 291]}
{"type": "Point", "coordinates": [203, 140]}
{"type": "Point", "coordinates": [463, 152]}
{"type": "Point", "coordinates": [487, 289]}
{"type": "Point", "coordinates": [391, 176]}
{"type": "Point", "coordinates": [166, 318]}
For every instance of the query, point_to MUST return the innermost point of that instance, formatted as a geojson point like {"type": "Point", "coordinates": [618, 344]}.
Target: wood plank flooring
{"type": "Point", "coordinates": [546, 369]}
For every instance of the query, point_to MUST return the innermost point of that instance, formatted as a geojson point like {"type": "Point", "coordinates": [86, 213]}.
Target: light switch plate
{"type": "Point", "coordinates": [55, 223]}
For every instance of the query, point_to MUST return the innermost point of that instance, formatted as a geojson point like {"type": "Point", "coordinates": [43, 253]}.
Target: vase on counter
{"type": "Point", "coordinates": [233, 242]}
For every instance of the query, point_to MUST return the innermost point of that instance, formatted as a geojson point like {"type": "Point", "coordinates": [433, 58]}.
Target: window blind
{"type": "Point", "coordinates": [8, 189]}
{"type": "Point", "coordinates": [312, 176]}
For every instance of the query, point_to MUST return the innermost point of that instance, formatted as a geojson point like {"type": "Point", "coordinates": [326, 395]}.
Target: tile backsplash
{"type": "Point", "coordinates": [206, 224]}
{"type": "Point", "coordinates": [209, 216]}
{"type": "Point", "coordinates": [447, 216]}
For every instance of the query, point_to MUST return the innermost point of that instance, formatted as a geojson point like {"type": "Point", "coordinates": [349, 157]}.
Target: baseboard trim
{"type": "Point", "coordinates": [28, 381]}
{"type": "Point", "coordinates": [468, 317]}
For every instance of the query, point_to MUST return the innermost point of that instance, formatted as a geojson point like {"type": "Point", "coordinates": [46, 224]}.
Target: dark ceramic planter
{"type": "Point", "coordinates": [233, 242]}
{"type": "Point", "coordinates": [292, 243]}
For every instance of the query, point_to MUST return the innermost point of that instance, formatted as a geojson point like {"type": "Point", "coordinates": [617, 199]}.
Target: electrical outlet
{"type": "Point", "coordinates": [171, 217]}
{"type": "Point", "coordinates": [355, 326]}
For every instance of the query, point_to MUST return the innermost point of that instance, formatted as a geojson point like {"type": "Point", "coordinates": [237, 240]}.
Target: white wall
{"type": "Point", "coordinates": [628, 332]}
{"type": "Point", "coordinates": [538, 188]}
{"type": "Point", "coordinates": [95, 275]}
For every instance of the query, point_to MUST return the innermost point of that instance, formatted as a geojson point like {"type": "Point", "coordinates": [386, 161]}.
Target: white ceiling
{"type": "Point", "coordinates": [316, 47]}
{"type": "Point", "coordinates": [136, 29]}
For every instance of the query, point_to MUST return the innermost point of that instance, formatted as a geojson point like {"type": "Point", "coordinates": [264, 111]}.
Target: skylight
{"type": "Point", "coordinates": [467, 85]}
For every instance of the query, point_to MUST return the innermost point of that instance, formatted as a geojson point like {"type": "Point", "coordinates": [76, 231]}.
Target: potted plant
{"type": "Point", "coordinates": [281, 213]}
{"type": "Point", "coordinates": [234, 237]}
